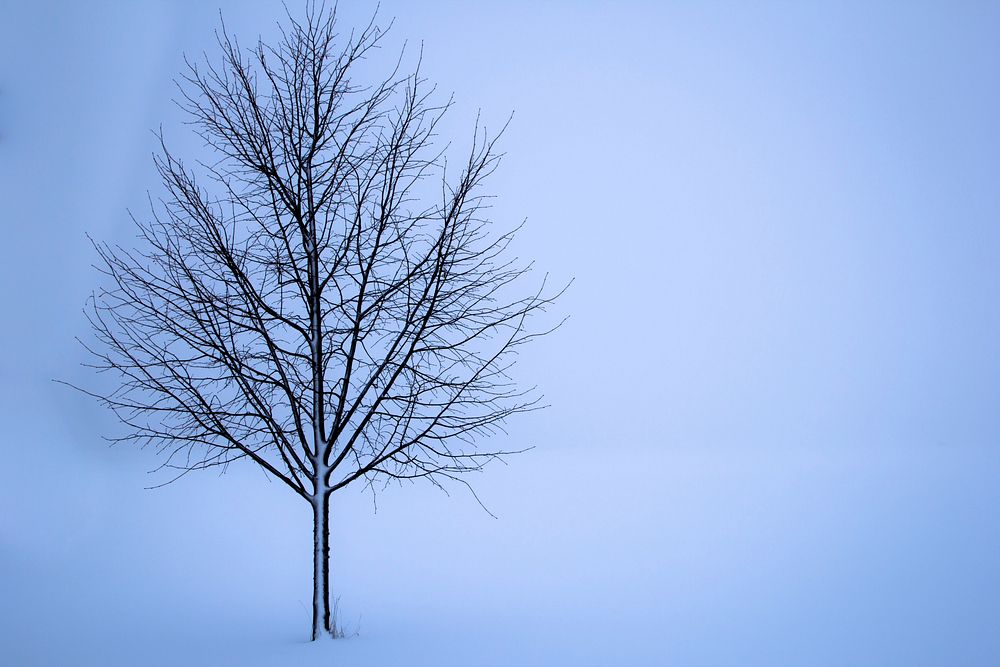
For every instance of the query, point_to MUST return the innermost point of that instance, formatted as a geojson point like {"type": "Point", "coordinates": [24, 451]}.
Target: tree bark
{"type": "Point", "coordinates": [321, 565]}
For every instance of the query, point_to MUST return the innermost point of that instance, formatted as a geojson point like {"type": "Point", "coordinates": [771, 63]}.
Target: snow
{"type": "Point", "coordinates": [686, 556]}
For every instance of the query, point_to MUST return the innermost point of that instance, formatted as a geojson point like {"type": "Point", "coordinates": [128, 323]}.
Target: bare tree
{"type": "Point", "coordinates": [323, 299]}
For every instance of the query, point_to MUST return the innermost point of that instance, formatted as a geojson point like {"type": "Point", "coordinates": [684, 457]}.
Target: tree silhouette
{"type": "Point", "coordinates": [323, 298]}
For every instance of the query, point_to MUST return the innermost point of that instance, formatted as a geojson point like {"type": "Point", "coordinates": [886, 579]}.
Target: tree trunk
{"type": "Point", "coordinates": [321, 566]}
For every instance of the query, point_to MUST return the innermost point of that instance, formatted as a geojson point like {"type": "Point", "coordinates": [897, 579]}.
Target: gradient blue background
{"type": "Point", "coordinates": [774, 429]}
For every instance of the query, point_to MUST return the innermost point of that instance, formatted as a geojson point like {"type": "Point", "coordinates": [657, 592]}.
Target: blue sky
{"type": "Point", "coordinates": [781, 370]}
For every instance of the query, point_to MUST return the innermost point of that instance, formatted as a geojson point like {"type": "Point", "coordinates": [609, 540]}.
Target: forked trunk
{"type": "Point", "coordinates": [321, 566]}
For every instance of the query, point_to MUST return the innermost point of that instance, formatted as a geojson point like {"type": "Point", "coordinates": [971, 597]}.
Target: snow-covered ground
{"type": "Point", "coordinates": [686, 556]}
